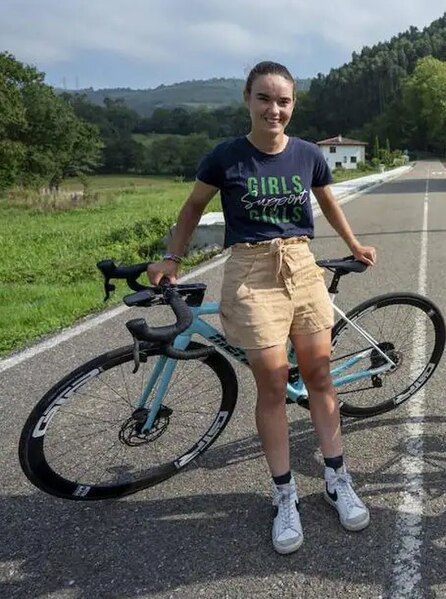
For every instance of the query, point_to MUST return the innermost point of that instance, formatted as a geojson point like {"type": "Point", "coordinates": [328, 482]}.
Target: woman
{"type": "Point", "coordinates": [272, 288]}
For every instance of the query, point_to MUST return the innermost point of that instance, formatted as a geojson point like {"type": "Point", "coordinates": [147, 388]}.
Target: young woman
{"type": "Point", "coordinates": [272, 288]}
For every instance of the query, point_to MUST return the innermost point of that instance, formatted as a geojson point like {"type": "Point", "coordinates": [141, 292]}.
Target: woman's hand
{"type": "Point", "coordinates": [165, 268]}
{"type": "Point", "coordinates": [364, 253]}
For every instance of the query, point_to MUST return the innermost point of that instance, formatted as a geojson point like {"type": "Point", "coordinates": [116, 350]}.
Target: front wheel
{"type": "Point", "coordinates": [84, 438]}
{"type": "Point", "coordinates": [409, 329]}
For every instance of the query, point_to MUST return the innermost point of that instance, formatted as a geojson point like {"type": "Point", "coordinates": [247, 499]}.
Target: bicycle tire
{"type": "Point", "coordinates": [424, 309]}
{"type": "Point", "coordinates": [101, 375]}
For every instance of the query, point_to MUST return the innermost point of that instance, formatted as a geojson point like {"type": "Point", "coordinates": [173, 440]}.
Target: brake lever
{"type": "Point", "coordinates": [109, 288]}
{"type": "Point", "coordinates": [136, 355]}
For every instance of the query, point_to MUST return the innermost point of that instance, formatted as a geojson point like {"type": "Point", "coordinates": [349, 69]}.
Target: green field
{"type": "Point", "coordinates": [116, 182]}
{"type": "Point", "coordinates": [48, 269]}
{"type": "Point", "coordinates": [147, 139]}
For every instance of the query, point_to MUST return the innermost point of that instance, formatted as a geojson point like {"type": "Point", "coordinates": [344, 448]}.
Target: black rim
{"type": "Point", "coordinates": [395, 336]}
{"type": "Point", "coordinates": [52, 416]}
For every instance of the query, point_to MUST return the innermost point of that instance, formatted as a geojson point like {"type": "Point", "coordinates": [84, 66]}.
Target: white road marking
{"type": "Point", "coordinates": [409, 525]}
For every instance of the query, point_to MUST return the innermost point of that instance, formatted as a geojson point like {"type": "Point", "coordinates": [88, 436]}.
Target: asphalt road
{"type": "Point", "coordinates": [206, 532]}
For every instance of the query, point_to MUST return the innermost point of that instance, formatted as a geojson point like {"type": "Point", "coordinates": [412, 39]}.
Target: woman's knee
{"type": "Point", "coordinates": [271, 386]}
{"type": "Point", "coordinates": [318, 379]}
{"type": "Point", "coordinates": [270, 370]}
{"type": "Point", "coordinates": [272, 395]}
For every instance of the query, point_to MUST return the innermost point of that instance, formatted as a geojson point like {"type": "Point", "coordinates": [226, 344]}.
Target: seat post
{"type": "Point", "coordinates": [334, 282]}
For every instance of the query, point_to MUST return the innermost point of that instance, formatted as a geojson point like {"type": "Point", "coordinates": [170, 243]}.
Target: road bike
{"type": "Point", "coordinates": [137, 415]}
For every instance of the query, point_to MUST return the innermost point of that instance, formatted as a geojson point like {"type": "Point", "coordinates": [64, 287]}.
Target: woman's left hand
{"type": "Point", "coordinates": [364, 253]}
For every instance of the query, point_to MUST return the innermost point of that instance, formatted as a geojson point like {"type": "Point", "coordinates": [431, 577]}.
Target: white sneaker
{"type": "Point", "coordinates": [339, 493]}
{"type": "Point", "coordinates": [287, 532]}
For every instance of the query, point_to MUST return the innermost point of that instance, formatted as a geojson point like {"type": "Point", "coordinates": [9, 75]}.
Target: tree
{"type": "Point", "coordinates": [424, 105]}
{"type": "Point", "coordinates": [376, 151]}
{"type": "Point", "coordinates": [195, 146]}
{"type": "Point", "coordinates": [42, 141]}
{"type": "Point", "coordinates": [121, 118]}
{"type": "Point", "coordinates": [13, 75]}
{"type": "Point", "coordinates": [123, 155]}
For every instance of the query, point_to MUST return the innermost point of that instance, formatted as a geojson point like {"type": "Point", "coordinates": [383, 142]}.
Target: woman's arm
{"type": "Point", "coordinates": [188, 219]}
{"type": "Point", "coordinates": [190, 215]}
{"type": "Point", "coordinates": [336, 217]}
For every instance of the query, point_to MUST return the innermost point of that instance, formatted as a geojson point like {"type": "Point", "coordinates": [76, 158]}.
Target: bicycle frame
{"type": "Point", "coordinates": [165, 366]}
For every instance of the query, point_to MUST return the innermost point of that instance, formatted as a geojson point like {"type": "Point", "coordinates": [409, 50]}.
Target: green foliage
{"type": "Point", "coordinates": [343, 174]}
{"type": "Point", "coordinates": [424, 106]}
{"type": "Point", "coordinates": [376, 148]}
{"type": "Point", "coordinates": [175, 155]}
{"type": "Point", "coordinates": [42, 141]}
{"type": "Point", "coordinates": [48, 267]}
{"type": "Point", "coordinates": [363, 167]}
{"type": "Point", "coordinates": [365, 87]}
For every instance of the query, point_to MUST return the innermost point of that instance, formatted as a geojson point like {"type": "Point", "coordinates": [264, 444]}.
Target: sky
{"type": "Point", "coordinates": [141, 44]}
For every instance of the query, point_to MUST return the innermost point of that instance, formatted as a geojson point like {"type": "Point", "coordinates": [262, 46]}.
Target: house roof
{"type": "Point", "coordinates": [339, 140]}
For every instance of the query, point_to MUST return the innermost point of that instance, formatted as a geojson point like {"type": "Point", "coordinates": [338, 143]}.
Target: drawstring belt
{"type": "Point", "coordinates": [286, 262]}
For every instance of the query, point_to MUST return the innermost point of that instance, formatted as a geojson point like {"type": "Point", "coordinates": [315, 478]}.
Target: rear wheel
{"type": "Point", "coordinates": [84, 439]}
{"type": "Point", "coordinates": [409, 329]}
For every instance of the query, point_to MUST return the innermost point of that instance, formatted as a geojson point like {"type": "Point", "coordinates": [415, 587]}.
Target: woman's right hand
{"type": "Point", "coordinates": [165, 268]}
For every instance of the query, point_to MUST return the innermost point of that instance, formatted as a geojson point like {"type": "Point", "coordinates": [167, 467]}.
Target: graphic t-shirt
{"type": "Point", "coordinates": [265, 196]}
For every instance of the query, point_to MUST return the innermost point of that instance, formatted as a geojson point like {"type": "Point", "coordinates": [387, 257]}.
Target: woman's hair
{"type": "Point", "coordinates": [268, 67]}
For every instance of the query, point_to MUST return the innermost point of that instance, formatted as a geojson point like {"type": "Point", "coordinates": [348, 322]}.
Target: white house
{"type": "Point", "coordinates": [341, 152]}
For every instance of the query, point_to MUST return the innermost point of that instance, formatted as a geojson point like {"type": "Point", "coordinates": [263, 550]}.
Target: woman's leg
{"type": "Point", "coordinates": [313, 359]}
{"type": "Point", "coordinates": [270, 370]}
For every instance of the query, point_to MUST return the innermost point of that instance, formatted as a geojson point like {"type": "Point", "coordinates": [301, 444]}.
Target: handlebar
{"type": "Point", "coordinates": [164, 334]}
{"type": "Point", "coordinates": [164, 293]}
{"type": "Point", "coordinates": [172, 295]}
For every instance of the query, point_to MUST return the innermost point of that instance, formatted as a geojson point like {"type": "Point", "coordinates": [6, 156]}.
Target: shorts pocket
{"type": "Point", "coordinates": [235, 280]}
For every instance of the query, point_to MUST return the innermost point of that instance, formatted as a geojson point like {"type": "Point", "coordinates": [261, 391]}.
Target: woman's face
{"type": "Point", "coordinates": [270, 104]}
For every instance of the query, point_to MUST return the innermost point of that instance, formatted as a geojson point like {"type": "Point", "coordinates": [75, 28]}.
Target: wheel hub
{"type": "Point", "coordinates": [131, 432]}
{"type": "Point", "coordinates": [377, 360]}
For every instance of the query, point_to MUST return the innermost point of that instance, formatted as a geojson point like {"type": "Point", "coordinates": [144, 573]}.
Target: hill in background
{"type": "Point", "coordinates": [212, 93]}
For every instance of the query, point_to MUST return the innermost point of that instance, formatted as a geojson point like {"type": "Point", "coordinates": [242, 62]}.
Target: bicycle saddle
{"type": "Point", "coordinates": [343, 265]}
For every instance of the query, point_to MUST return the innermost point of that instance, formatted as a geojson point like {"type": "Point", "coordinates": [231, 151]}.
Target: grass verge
{"type": "Point", "coordinates": [48, 269]}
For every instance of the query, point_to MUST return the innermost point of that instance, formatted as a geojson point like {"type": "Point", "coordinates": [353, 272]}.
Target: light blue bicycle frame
{"type": "Point", "coordinates": [164, 368]}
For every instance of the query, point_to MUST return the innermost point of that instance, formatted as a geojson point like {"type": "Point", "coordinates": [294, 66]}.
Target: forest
{"type": "Point", "coordinates": [395, 93]}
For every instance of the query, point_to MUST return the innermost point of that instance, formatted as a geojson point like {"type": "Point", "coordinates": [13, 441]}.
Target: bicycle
{"type": "Point", "coordinates": [105, 408]}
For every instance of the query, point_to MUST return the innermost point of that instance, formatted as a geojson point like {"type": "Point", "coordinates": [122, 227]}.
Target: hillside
{"type": "Point", "coordinates": [371, 82]}
{"type": "Point", "coordinates": [212, 93]}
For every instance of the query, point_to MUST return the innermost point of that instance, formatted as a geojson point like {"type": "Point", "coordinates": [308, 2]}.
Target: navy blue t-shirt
{"type": "Point", "coordinates": [265, 196]}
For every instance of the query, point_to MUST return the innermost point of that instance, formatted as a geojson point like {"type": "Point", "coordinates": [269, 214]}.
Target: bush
{"type": "Point", "coordinates": [362, 166]}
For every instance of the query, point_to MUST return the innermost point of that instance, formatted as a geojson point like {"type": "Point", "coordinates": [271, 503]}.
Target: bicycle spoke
{"type": "Point", "coordinates": [392, 323]}
{"type": "Point", "coordinates": [127, 403]}
{"type": "Point", "coordinates": [93, 440]}
{"type": "Point", "coordinates": [89, 417]}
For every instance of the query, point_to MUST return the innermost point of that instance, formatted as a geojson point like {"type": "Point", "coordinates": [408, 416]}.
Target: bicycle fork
{"type": "Point", "coordinates": [161, 375]}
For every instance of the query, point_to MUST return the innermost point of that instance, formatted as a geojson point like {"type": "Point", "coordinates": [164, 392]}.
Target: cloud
{"type": "Point", "coordinates": [202, 35]}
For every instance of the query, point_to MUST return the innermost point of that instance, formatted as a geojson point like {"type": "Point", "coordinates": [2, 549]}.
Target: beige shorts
{"type": "Point", "coordinates": [271, 290]}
